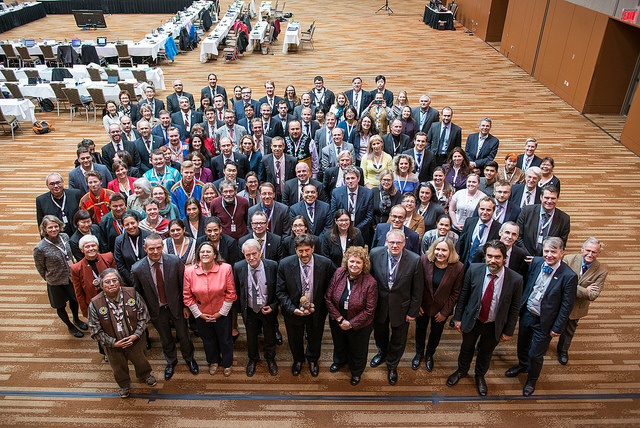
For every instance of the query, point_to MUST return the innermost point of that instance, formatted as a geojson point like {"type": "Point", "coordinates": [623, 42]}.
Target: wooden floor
{"type": "Point", "coordinates": [49, 378]}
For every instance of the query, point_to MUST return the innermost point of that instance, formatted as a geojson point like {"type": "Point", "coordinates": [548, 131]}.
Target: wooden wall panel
{"type": "Point", "coordinates": [496, 20]}
{"type": "Point", "coordinates": [631, 132]}
{"type": "Point", "coordinates": [474, 15]}
{"type": "Point", "coordinates": [551, 51]}
{"type": "Point", "coordinates": [523, 24]}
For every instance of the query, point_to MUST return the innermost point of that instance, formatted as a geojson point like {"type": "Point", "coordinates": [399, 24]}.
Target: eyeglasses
{"type": "Point", "coordinates": [55, 183]}
{"type": "Point", "coordinates": [259, 223]}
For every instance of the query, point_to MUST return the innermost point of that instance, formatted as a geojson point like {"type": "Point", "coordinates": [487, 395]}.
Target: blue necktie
{"type": "Point", "coordinates": [476, 242]}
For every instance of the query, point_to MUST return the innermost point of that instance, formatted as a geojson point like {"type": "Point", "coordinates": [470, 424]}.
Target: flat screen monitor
{"type": "Point", "coordinates": [50, 42]}
{"type": "Point", "coordinates": [89, 18]}
{"type": "Point", "coordinates": [76, 43]}
{"type": "Point", "coordinates": [101, 41]}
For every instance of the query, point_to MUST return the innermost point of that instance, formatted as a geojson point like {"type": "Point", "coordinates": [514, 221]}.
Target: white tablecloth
{"type": "Point", "coordinates": [23, 110]}
{"type": "Point", "coordinates": [257, 33]}
{"type": "Point", "coordinates": [291, 36]}
{"type": "Point", "coordinates": [265, 10]}
{"type": "Point", "coordinates": [209, 45]}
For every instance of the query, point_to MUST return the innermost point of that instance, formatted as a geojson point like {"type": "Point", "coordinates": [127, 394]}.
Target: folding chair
{"type": "Point", "coordinates": [14, 89]}
{"type": "Point", "coordinates": [308, 38]}
{"type": "Point", "coordinates": [49, 57]}
{"type": "Point", "coordinates": [60, 95]}
{"type": "Point", "coordinates": [11, 122]}
{"type": "Point", "coordinates": [94, 74]}
{"type": "Point", "coordinates": [73, 96]}
{"type": "Point", "coordinates": [97, 96]}
{"type": "Point", "coordinates": [123, 54]}
{"type": "Point", "coordinates": [9, 75]}
{"type": "Point", "coordinates": [11, 55]}
{"type": "Point", "coordinates": [25, 56]}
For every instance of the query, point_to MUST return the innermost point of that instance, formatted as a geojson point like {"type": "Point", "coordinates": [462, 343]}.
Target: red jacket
{"type": "Point", "coordinates": [82, 278]}
{"type": "Point", "coordinates": [209, 290]}
{"type": "Point", "coordinates": [362, 301]}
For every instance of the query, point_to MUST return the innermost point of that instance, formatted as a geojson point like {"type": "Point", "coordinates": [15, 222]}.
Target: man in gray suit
{"type": "Point", "coordinates": [158, 278]}
{"type": "Point", "coordinates": [323, 135]}
{"type": "Point", "coordinates": [330, 152]}
{"type": "Point", "coordinates": [487, 309]}
{"type": "Point", "coordinates": [77, 175]}
{"type": "Point", "coordinates": [230, 129]}
{"type": "Point", "coordinates": [425, 115]}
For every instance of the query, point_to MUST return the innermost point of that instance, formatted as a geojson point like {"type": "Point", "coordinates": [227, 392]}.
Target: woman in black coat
{"type": "Point", "coordinates": [342, 235]}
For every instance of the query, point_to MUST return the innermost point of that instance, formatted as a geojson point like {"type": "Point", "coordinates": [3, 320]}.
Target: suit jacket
{"type": "Point", "coordinates": [276, 100]}
{"type": "Point", "coordinates": [45, 206]}
{"type": "Point", "coordinates": [558, 299]}
{"type": "Point", "coordinates": [313, 128]}
{"type": "Point", "coordinates": [268, 170]}
{"type": "Point", "coordinates": [78, 182]}
{"type": "Point", "coordinates": [246, 124]}
{"type": "Point", "coordinates": [141, 148]}
{"type": "Point", "coordinates": [241, 279]}
{"type": "Point", "coordinates": [389, 145]}
{"type": "Point", "coordinates": [322, 218]}
{"type": "Point", "coordinates": [206, 92]}
{"type": "Point", "coordinates": [446, 296]}
{"type": "Point", "coordinates": [387, 96]}
{"type": "Point", "coordinates": [159, 105]}
{"type": "Point", "coordinates": [433, 115]}
{"type": "Point", "coordinates": [466, 237]}
{"type": "Point", "coordinates": [333, 251]}
{"type": "Point", "coordinates": [285, 125]}
{"type": "Point", "coordinates": [364, 207]}
{"type": "Point", "coordinates": [124, 137]}
{"type": "Point", "coordinates": [158, 131]}
{"type": "Point", "coordinates": [433, 138]}
{"type": "Point", "coordinates": [289, 289]}
{"type": "Point", "coordinates": [297, 112]}
{"type": "Point", "coordinates": [320, 138]}
{"type": "Point", "coordinates": [238, 108]}
{"type": "Point", "coordinates": [595, 274]}
{"type": "Point", "coordinates": [194, 117]}
{"type": "Point", "coordinates": [125, 257]}
{"type": "Point", "coordinates": [173, 102]}
{"type": "Point", "coordinates": [280, 223]}
{"type": "Point", "coordinates": [487, 152]}
{"type": "Point", "coordinates": [535, 162]}
{"type": "Point", "coordinates": [217, 165]}
{"type": "Point", "coordinates": [517, 261]}
{"type": "Point", "coordinates": [510, 214]}
{"type": "Point", "coordinates": [291, 193]}
{"type": "Point", "coordinates": [528, 222]}
{"type": "Point", "coordinates": [330, 178]}
{"type": "Point", "coordinates": [329, 100]}
{"type": "Point", "coordinates": [470, 301]}
{"type": "Point", "coordinates": [238, 133]}
{"type": "Point", "coordinates": [82, 278]}
{"type": "Point", "coordinates": [405, 297]}
{"type": "Point", "coordinates": [517, 190]}
{"type": "Point", "coordinates": [427, 164]}
{"type": "Point", "coordinates": [329, 158]}
{"type": "Point", "coordinates": [173, 274]}
{"type": "Point", "coordinates": [272, 246]}
{"type": "Point", "coordinates": [274, 130]}
{"type": "Point", "coordinates": [411, 237]}
{"type": "Point", "coordinates": [228, 247]}
{"type": "Point", "coordinates": [365, 100]}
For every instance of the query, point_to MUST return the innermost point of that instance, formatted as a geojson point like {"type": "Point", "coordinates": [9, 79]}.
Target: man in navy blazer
{"type": "Point", "coordinates": [116, 143]}
{"type": "Point", "coordinates": [528, 158]}
{"type": "Point", "coordinates": [488, 146]}
{"type": "Point", "coordinates": [395, 142]}
{"type": "Point", "coordinates": [441, 148]}
{"type": "Point", "coordinates": [228, 155]}
{"type": "Point", "coordinates": [317, 213]}
{"type": "Point", "coordinates": [271, 99]}
{"type": "Point", "coordinates": [505, 210]}
{"type": "Point", "coordinates": [76, 176]}
{"type": "Point", "coordinates": [527, 193]}
{"type": "Point", "coordinates": [546, 303]}
{"type": "Point", "coordinates": [268, 171]}
{"type": "Point", "coordinates": [397, 216]}
{"type": "Point", "coordinates": [238, 106]}
{"type": "Point", "coordinates": [145, 144]}
{"type": "Point", "coordinates": [156, 105]}
{"type": "Point", "coordinates": [425, 115]}
{"type": "Point", "coordinates": [293, 188]}
{"type": "Point", "coordinates": [186, 112]}
{"type": "Point", "coordinates": [424, 168]}
{"type": "Point", "coordinates": [270, 126]}
{"type": "Point", "coordinates": [270, 243]}
{"type": "Point", "coordinates": [359, 206]}
{"type": "Point", "coordinates": [516, 257]}
{"type": "Point", "coordinates": [277, 213]}
{"type": "Point", "coordinates": [478, 230]}
{"type": "Point", "coordinates": [160, 129]}
{"type": "Point", "coordinates": [173, 100]}
{"type": "Point", "coordinates": [213, 89]}
{"type": "Point", "coordinates": [363, 97]}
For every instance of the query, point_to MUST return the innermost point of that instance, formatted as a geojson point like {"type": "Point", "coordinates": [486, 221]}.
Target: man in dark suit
{"type": "Point", "coordinates": [145, 144]}
{"type": "Point", "coordinates": [395, 142]}
{"type": "Point", "coordinates": [77, 178]}
{"type": "Point", "coordinates": [227, 154]}
{"type": "Point", "coordinates": [173, 100]}
{"type": "Point", "coordinates": [540, 221]}
{"type": "Point", "coordinates": [249, 114]}
{"type": "Point", "coordinates": [58, 201]}
{"type": "Point", "coordinates": [304, 274]}
{"type": "Point", "coordinates": [109, 150]}
{"type": "Point", "coordinates": [387, 95]}
{"type": "Point", "coordinates": [527, 193]}
{"type": "Point", "coordinates": [425, 115]}
{"type": "Point", "coordinates": [397, 215]}
{"type": "Point", "coordinates": [129, 133]}
{"type": "Point", "coordinates": [158, 278]}
{"type": "Point", "coordinates": [210, 122]}
{"type": "Point", "coordinates": [443, 137]}
{"type": "Point", "coordinates": [317, 213]}
{"type": "Point", "coordinates": [156, 105]}
{"type": "Point", "coordinates": [238, 106]}
{"type": "Point", "coordinates": [478, 230]}
{"type": "Point", "coordinates": [400, 279]}
{"type": "Point", "coordinates": [255, 278]}
{"type": "Point", "coordinates": [263, 142]}
{"type": "Point", "coordinates": [481, 147]}
{"type": "Point", "coordinates": [321, 97]}
{"type": "Point", "coordinates": [305, 102]}
{"type": "Point", "coordinates": [505, 210]}
{"type": "Point", "coordinates": [356, 199]}
{"type": "Point", "coordinates": [423, 159]}
{"type": "Point", "coordinates": [293, 188]}
{"type": "Point", "coordinates": [162, 128]}
{"type": "Point", "coordinates": [186, 116]}
{"type": "Point", "coordinates": [309, 126]}
{"type": "Point", "coordinates": [528, 158]}
{"type": "Point", "coordinates": [213, 89]}
{"type": "Point", "coordinates": [270, 243]}
{"type": "Point", "coordinates": [129, 247]}
{"type": "Point", "coordinates": [271, 127]}
{"type": "Point", "coordinates": [323, 136]}
{"type": "Point", "coordinates": [334, 177]}
{"type": "Point", "coordinates": [277, 213]}
{"type": "Point", "coordinates": [283, 117]}
{"type": "Point", "coordinates": [487, 309]}
{"type": "Point", "coordinates": [357, 97]}
{"type": "Point", "coordinates": [546, 303]}
{"type": "Point", "coordinates": [278, 167]}
{"type": "Point", "coordinates": [516, 258]}
{"type": "Point", "coordinates": [271, 99]}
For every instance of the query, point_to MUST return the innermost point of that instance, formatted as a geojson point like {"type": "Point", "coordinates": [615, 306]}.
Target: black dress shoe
{"type": "Point", "coordinates": [451, 323]}
{"type": "Point", "coordinates": [148, 342]}
{"type": "Point", "coordinates": [234, 338]}
{"type": "Point", "coordinates": [296, 368]}
{"type": "Point", "coordinates": [313, 368]}
{"type": "Point", "coordinates": [278, 337]}
{"type": "Point", "coordinates": [355, 380]}
{"type": "Point", "coordinates": [273, 367]}
{"type": "Point", "coordinates": [515, 371]}
{"type": "Point", "coordinates": [81, 325]}
{"type": "Point", "coordinates": [335, 367]}
{"type": "Point", "coordinates": [392, 376]}
{"type": "Point", "coordinates": [168, 371]}
{"type": "Point", "coordinates": [428, 362]}
{"type": "Point", "coordinates": [193, 367]}
{"type": "Point", "coordinates": [378, 359]}
{"type": "Point", "coordinates": [75, 332]}
{"type": "Point", "coordinates": [563, 358]}
{"type": "Point", "coordinates": [455, 377]}
{"type": "Point", "coordinates": [529, 387]}
{"type": "Point", "coordinates": [415, 364]}
{"type": "Point", "coordinates": [251, 368]}
{"type": "Point", "coordinates": [481, 385]}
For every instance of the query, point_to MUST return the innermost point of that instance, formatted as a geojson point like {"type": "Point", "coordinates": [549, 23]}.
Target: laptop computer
{"type": "Point", "coordinates": [32, 81]}
{"type": "Point", "coordinates": [76, 43]}
{"type": "Point", "coordinates": [101, 41]}
{"type": "Point", "coordinates": [50, 42]}
{"type": "Point", "coordinates": [29, 43]}
{"type": "Point", "coordinates": [112, 79]}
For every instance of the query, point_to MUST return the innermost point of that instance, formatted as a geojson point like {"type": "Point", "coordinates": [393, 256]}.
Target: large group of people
{"type": "Point", "coordinates": [353, 205]}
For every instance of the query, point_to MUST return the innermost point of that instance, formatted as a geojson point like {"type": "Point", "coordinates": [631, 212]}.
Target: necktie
{"type": "Point", "coordinates": [498, 212]}
{"type": "Point", "coordinates": [219, 115]}
{"type": "Point", "coordinates": [392, 271]}
{"type": "Point", "coordinates": [487, 297]}
{"type": "Point", "coordinates": [527, 200]}
{"type": "Point", "coordinates": [476, 241]}
{"type": "Point", "coordinates": [310, 210]}
{"type": "Point", "coordinates": [526, 164]}
{"type": "Point", "coordinates": [443, 135]}
{"type": "Point", "coordinates": [118, 147]}
{"type": "Point", "coordinates": [260, 240]}
{"type": "Point", "coordinates": [544, 224]}
{"type": "Point", "coordinates": [356, 101]}
{"type": "Point", "coordinates": [307, 130]}
{"type": "Point", "coordinates": [300, 192]}
{"type": "Point", "coordinates": [149, 145]}
{"type": "Point", "coordinates": [547, 269]}
{"type": "Point", "coordinates": [584, 269]}
{"type": "Point", "coordinates": [160, 284]}
{"type": "Point", "coordinates": [305, 282]}
{"type": "Point", "coordinates": [186, 122]}
{"type": "Point", "coordinates": [279, 177]}
{"type": "Point", "coordinates": [256, 291]}
{"type": "Point", "coordinates": [268, 213]}
{"type": "Point", "coordinates": [164, 131]}
{"type": "Point", "coordinates": [418, 162]}
{"type": "Point", "coordinates": [352, 202]}
{"type": "Point", "coordinates": [231, 133]}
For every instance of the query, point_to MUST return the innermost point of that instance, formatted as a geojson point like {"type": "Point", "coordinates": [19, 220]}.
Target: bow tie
{"type": "Point", "coordinates": [547, 270]}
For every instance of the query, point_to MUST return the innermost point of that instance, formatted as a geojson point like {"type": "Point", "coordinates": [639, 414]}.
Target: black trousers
{"type": "Point", "coordinates": [163, 325]}
{"type": "Point", "coordinates": [422, 322]}
{"type": "Point", "coordinates": [252, 322]}
{"type": "Point", "coordinates": [487, 334]}
{"type": "Point", "coordinates": [350, 347]}
{"type": "Point", "coordinates": [392, 347]}
{"type": "Point", "coordinates": [564, 341]}
{"type": "Point", "coordinates": [217, 341]}
{"type": "Point", "coordinates": [532, 344]}
{"type": "Point", "coordinates": [295, 337]}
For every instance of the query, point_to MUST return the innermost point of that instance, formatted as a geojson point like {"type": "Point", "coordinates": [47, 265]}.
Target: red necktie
{"type": "Point", "coordinates": [486, 301]}
{"type": "Point", "coordinates": [160, 284]}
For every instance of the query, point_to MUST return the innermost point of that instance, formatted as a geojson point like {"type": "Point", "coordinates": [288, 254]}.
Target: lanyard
{"type": "Point", "coordinates": [348, 289]}
{"type": "Point", "coordinates": [116, 224]}
{"type": "Point", "coordinates": [506, 176]}
{"type": "Point", "coordinates": [62, 249]}
{"type": "Point", "coordinates": [392, 271]}
{"type": "Point", "coordinates": [311, 217]}
{"type": "Point", "coordinates": [135, 247]}
{"type": "Point", "coordinates": [403, 184]}
{"type": "Point", "coordinates": [61, 207]}
{"type": "Point", "coordinates": [181, 247]}
{"type": "Point", "coordinates": [164, 177]}
{"type": "Point", "coordinates": [377, 163]}
{"type": "Point", "coordinates": [193, 187]}
{"type": "Point", "coordinates": [232, 216]}
{"type": "Point", "coordinates": [423, 211]}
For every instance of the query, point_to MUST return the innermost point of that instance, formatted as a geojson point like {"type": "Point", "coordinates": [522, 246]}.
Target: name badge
{"type": "Point", "coordinates": [346, 305]}
{"type": "Point", "coordinates": [233, 227]}
{"type": "Point", "coordinates": [260, 301]}
{"type": "Point", "coordinates": [119, 326]}
{"type": "Point", "coordinates": [390, 284]}
{"type": "Point", "coordinates": [96, 283]}
{"type": "Point", "coordinates": [540, 239]}
{"type": "Point", "coordinates": [353, 217]}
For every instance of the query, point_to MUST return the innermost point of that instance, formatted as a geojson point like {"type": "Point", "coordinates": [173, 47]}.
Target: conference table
{"type": "Point", "coordinates": [291, 36]}
{"type": "Point", "coordinates": [53, 7]}
{"type": "Point", "coordinates": [23, 13]}
{"type": "Point", "coordinates": [111, 90]}
{"type": "Point", "coordinates": [433, 17]}
{"type": "Point", "coordinates": [209, 45]}
{"type": "Point", "coordinates": [258, 32]}
{"type": "Point", "coordinates": [23, 109]}
{"type": "Point", "coordinates": [265, 10]}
